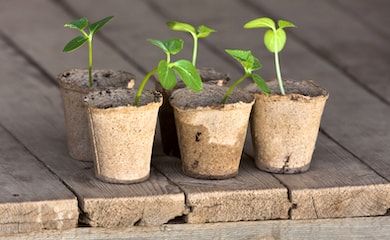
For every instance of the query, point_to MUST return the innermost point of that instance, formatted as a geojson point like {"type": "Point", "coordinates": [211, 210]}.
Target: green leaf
{"type": "Point", "coordinates": [261, 84]}
{"type": "Point", "coordinates": [271, 37]}
{"type": "Point", "coordinates": [99, 24]}
{"type": "Point", "coordinates": [261, 23]}
{"type": "Point", "coordinates": [284, 24]}
{"type": "Point", "coordinates": [166, 75]}
{"type": "Point", "coordinates": [239, 55]}
{"type": "Point", "coordinates": [204, 31]}
{"type": "Point", "coordinates": [180, 26]}
{"type": "Point", "coordinates": [172, 46]}
{"type": "Point", "coordinates": [75, 43]}
{"type": "Point", "coordinates": [78, 24]}
{"type": "Point", "coordinates": [188, 74]}
{"type": "Point", "coordinates": [246, 58]}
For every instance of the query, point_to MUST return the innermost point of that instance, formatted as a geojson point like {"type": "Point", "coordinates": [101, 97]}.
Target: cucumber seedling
{"type": "Point", "coordinates": [202, 32]}
{"type": "Point", "coordinates": [274, 39]}
{"type": "Point", "coordinates": [81, 24]}
{"type": "Point", "coordinates": [166, 70]}
{"type": "Point", "coordinates": [250, 64]}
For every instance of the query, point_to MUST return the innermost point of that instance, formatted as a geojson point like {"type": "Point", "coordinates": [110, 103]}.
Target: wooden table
{"type": "Point", "coordinates": [342, 45]}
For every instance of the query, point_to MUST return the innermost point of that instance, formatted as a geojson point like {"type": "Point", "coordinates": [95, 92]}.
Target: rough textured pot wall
{"type": "Point", "coordinates": [166, 118]}
{"type": "Point", "coordinates": [74, 87]}
{"type": "Point", "coordinates": [122, 134]}
{"type": "Point", "coordinates": [211, 136]}
{"type": "Point", "coordinates": [285, 128]}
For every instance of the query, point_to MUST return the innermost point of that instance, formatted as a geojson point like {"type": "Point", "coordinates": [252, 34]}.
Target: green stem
{"type": "Point", "coordinates": [195, 50]}
{"type": "Point", "coordinates": [141, 87]}
{"type": "Point", "coordinates": [233, 86]}
{"type": "Point", "coordinates": [277, 67]}
{"type": "Point", "coordinates": [90, 62]}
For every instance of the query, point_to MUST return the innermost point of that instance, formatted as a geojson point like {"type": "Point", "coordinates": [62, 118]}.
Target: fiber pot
{"type": "Point", "coordinates": [167, 122]}
{"type": "Point", "coordinates": [74, 87]}
{"type": "Point", "coordinates": [211, 135]}
{"type": "Point", "coordinates": [122, 134]}
{"type": "Point", "coordinates": [284, 129]}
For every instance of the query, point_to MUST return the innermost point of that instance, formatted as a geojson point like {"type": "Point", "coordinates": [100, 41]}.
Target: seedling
{"type": "Point", "coordinates": [202, 32]}
{"type": "Point", "coordinates": [166, 70]}
{"type": "Point", "coordinates": [78, 41]}
{"type": "Point", "coordinates": [250, 64]}
{"type": "Point", "coordinates": [274, 40]}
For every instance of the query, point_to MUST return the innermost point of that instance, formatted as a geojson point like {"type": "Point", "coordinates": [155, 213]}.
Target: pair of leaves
{"type": "Point", "coordinates": [185, 69]}
{"type": "Point", "coordinates": [250, 63]}
{"type": "Point", "coordinates": [202, 31]}
{"type": "Point", "coordinates": [81, 24]}
{"type": "Point", "coordinates": [274, 38]}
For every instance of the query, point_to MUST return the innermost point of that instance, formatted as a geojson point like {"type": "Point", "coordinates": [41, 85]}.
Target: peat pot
{"type": "Point", "coordinates": [166, 119]}
{"type": "Point", "coordinates": [74, 86]}
{"type": "Point", "coordinates": [122, 135]}
{"type": "Point", "coordinates": [211, 135]}
{"type": "Point", "coordinates": [284, 129]}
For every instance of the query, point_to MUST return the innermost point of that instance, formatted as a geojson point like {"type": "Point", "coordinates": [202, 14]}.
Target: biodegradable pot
{"type": "Point", "coordinates": [166, 119]}
{"type": "Point", "coordinates": [74, 86]}
{"type": "Point", "coordinates": [211, 136]}
{"type": "Point", "coordinates": [284, 129]}
{"type": "Point", "coordinates": [122, 134]}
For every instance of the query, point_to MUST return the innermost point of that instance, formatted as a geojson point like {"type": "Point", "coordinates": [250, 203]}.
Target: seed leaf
{"type": "Point", "coordinates": [78, 24]}
{"type": "Point", "coordinates": [279, 36]}
{"type": "Point", "coordinates": [188, 74]}
{"type": "Point", "coordinates": [261, 84]}
{"type": "Point", "coordinates": [75, 43]}
{"type": "Point", "coordinates": [171, 46]}
{"type": "Point", "coordinates": [261, 23]}
{"type": "Point", "coordinates": [204, 31]}
{"type": "Point", "coordinates": [99, 24]}
{"type": "Point", "coordinates": [284, 24]}
{"type": "Point", "coordinates": [166, 75]}
{"type": "Point", "coordinates": [180, 26]}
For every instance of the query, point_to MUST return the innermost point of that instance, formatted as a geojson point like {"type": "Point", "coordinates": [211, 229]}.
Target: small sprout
{"type": "Point", "coordinates": [202, 32]}
{"type": "Point", "coordinates": [274, 40]}
{"type": "Point", "coordinates": [166, 70]}
{"type": "Point", "coordinates": [250, 64]}
{"type": "Point", "coordinates": [78, 41]}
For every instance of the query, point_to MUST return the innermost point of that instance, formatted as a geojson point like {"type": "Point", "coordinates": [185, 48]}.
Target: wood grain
{"type": "Point", "coordinates": [344, 228]}
{"type": "Point", "coordinates": [32, 198]}
{"type": "Point", "coordinates": [252, 195]}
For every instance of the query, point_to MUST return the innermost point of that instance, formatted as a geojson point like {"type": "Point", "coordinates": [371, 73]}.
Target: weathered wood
{"type": "Point", "coordinates": [43, 36]}
{"type": "Point", "coordinates": [368, 13]}
{"type": "Point", "coordinates": [251, 195]}
{"type": "Point", "coordinates": [344, 228]}
{"type": "Point", "coordinates": [32, 198]}
{"type": "Point", "coordinates": [345, 42]}
{"type": "Point", "coordinates": [337, 185]}
{"type": "Point", "coordinates": [34, 116]}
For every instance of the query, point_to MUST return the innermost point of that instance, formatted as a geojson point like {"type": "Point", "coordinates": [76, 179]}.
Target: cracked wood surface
{"type": "Point", "coordinates": [347, 53]}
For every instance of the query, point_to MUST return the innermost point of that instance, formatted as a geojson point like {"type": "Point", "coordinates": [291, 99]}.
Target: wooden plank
{"type": "Point", "coordinates": [368, 13]}
{"type": "Point", "coordinates": [337, 185]}
{"type": "Point", "coordinates": [343, 228]}
{"type": "Point", "coordinates": [32, 198]}
{"type": "Point", "coordinates": [345, 42]}
{"type": "Point", "coordinates": [44, 40]}
{"type": "Point", "coordinates": [252, 195]}
{"type": "Point", "coordinates": [33, 113]}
